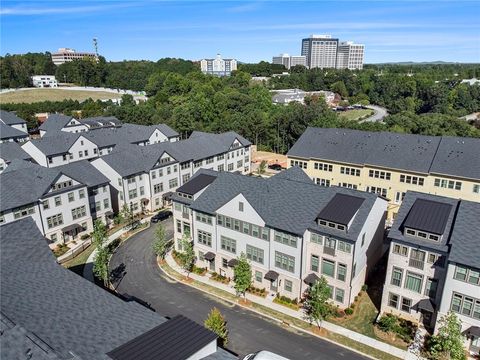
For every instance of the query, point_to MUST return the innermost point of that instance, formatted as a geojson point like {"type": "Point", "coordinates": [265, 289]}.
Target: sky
{"type": "Point", "coordinates": [248, 31]}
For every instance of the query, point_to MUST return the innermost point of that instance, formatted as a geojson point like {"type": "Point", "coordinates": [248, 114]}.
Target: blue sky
{"type": "Point", "coordinates": [249, 31]}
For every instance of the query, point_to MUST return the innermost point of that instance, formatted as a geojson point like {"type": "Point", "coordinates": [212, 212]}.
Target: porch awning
{"type": "Point", "coordinates": [145, 200]}
{"type": "Point", "coordinates": [209, 256]}
{"type": "Point", "coordinates": [311, 279]}
{"type": "Point", "coordinates": [425, 304]}
{"type": "Point", "coordinates": [232, 263]}
{"type": "Point", "coordinates": [472, 331]}
{"type": "Point", "coordinates": [168, 195]}
{"type": "Point", "coordinates": [71, 227]}
{"type": "Point", "coordinates": [271, 275]}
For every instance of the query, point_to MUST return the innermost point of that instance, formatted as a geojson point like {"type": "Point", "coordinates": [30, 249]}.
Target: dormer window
{"type": "Point", "coordinates": [422, 234]}
{"type": "Point", "coordinates": [410, 232]}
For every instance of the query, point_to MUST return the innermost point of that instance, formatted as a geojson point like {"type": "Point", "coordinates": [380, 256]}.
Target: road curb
{"type": "Point", "coordinates": [264, 315]}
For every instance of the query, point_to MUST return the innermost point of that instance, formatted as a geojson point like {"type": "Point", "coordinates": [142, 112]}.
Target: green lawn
{"type": "Point", "coordinates": [38, 95]}
{"type": "Point", "coordinates": [78, 262]}
{"type": "Point", "coordinates": [354, 114]}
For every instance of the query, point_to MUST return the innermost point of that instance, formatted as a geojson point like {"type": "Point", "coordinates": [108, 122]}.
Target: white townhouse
{"type": "Point", "coordinates": [461, 292]}
{"type": "Point", "coordinates": [433, 264]}
{"type": "Point", "coordinates": [9, 152]}
{"type": "Point", "coordinates": [58, 203]}
{"type": "Point", "coordinates": [59, 122]}
{"type": "Point", "coordinates": [416, 265]}
{"type": "Point", "coordinates": [142, 177]}
{"type": "Point", "coordinates": [98, 186]}
{"type": "Point", "coordinates": [11, 119]}
{"type": "Point", "coordinates": [291, 230]}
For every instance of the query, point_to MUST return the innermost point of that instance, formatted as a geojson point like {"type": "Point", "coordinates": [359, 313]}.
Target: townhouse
{"type": "Point", "coordinates": [40, 297]}
{"type": "Point", "coordinates": [59, 122]}
{"type": "Point", "coordinates": [433, 263]}
{"type": "Point", "coordinates": [58, 203]}
{"type": "Point", "coordinates": [390, 164]}
{"type": "Point", "coordinates": [142, 177]}
{"type": "Point", "coordinates": [10, 151]}
{"type": "Point", "coordinates": [12, 128]}
{"type": "Point", "coordinates": [291, 230]}
{"type": "Point", "coordinates": [461, 292]}
{"type": "Point", "coordinates": [65, 147]}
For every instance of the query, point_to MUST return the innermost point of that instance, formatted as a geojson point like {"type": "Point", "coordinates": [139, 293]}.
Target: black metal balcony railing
{"type": "Point", "coordinates": [419, 264]}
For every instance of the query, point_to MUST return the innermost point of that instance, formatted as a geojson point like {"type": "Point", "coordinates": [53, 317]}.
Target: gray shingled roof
{"type": "Point", "coordinates": [55, 122]}
{"type": "Point", "coordinates": [84, 172]}
{"type": "Point", "coordinates": [10, 151]}
{"type": "Point", "coordinates": [10, 118]}
{"type": "Point", "coordinates": [396, 232]}
{"type": "Point", "coordinates": [458, 157]}
{"type": "Point", "coordinates": [56, 144]}
{"type": "Point", "coordinates": [99, 122]}
{"type": "Point", "coordinates": [166, 130]}
{"type": "Point", "coordinates": [67, 312]}
{"type": "Point", "coordinates": [7, 132]}
{"type": "Point", "coordinates": [446, 155]}
{"type": "Point", "coordinates": [427, 215]}
{"type": "Point", "coordinates": [285, 204]}
{"type": "Point", "coordinates": [465, 240]}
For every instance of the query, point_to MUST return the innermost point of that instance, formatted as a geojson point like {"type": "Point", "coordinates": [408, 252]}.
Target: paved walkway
{"type": "Point", "coordinates": [268, 302]}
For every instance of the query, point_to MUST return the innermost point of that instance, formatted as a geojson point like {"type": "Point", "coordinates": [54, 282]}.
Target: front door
{"type": "Point", "coordinates": [426, 318]}
{"type": "Point", "coordinates": [212, 265]}
{"type": "Point", "coordinates": [274, 285]}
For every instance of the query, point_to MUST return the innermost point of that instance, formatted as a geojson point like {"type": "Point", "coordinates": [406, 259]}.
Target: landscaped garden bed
{"type": "Point", "coordinates": [220, 278]}
{"type": "Point", "coordinates": [60, 249]}
{"type": "Point", "coordinates": [285, 301]}
{"type": "Point", "coordinates": [257, 291]}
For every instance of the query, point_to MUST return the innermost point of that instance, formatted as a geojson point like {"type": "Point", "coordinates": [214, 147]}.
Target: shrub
{"type": "Point", "coordinates": [387, 322]}
{"type": "Point", "coordinates": [348, 311]}
{"type": "Point", "coordinates": [365, 287]}
{"type": "Point", "coordinates": [352, 306]}
{"type": "Point", "coordinates": [355, 299]}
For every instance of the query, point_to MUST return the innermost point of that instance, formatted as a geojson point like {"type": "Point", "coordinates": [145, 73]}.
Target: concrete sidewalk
{"type": "Point", "coordinates": [268, 302]}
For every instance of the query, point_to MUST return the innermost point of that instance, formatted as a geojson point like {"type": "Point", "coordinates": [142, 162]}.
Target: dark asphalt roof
{"type": "Point", "coordinates": [7, 132]}
{"type": "Point", "coordinates": [427, 215]}
{"type": "Point", "coordinates": [55, 122]}
{"type": "Point", "coordinates": [465, 239]}
{"type": "Point", "coordinates": [101, 121]}
{"type": "Point", "coordinates": [67, 312]}
{"type": "Point", "coordinates": [11, 150]}
{"type": "Point", "coordinates": [58, 143]}
{"type": "Point", "coordinates": [285, 204]}
{"type": "Point", "coordinates": [176, 339]}
{"type": "Point", "coordinates": [341, 209]}
{"type": "Point", "coordinates": [396, 232]}
{"type": "Point", "coordinates": [196, 184]}
{"type": "Point", "coordinates": [10, 118]}
{"type": "Point", "coordinates": [455, 156]}
{"type": "Point", "coordinates": [84, 172]}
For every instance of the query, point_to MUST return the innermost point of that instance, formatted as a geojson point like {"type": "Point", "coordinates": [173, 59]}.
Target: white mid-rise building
{"type": "Point", "coordinates": [320, 51]}
{"type": "Point", "coordinates": [42, 81]}
{"type": "Point", "coordinates": [350, 55]}
{"type": "Point", "coordinates": [218, 66]}
{"type": "Point", "coordinates": [64, 55]}
{"type": "Point", "coordinates": [289, 61]}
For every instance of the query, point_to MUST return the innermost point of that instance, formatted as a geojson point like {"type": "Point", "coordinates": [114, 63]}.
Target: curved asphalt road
{"type": "Point", "coordinates": [249, 332]}
{"type": "Point", "coordinates": [379, 113]}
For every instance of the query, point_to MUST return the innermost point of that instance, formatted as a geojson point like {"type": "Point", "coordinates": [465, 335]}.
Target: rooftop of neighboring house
{"type": "Point", "coordinates": [84, 172]}
{"type": "Point", "coordinates": [8, 132]}
{"type": "Point", "coordinates": [465, 241]}
{"type": "Point", "coordinates": [455, 156]}
{"type": "Point", "coordinates": [291, 202]}
{"type": "Point", "coordinates": [58, 144]}
{"type": "Point", "coordinates": [430, 214]}
{"type": "Point", "coordinates": [55, 122]}
{"type": "Point", "coordinates": [10, 151]}
{"type": "Point", "coordinates": [49, 311]}
{"type": "Point", "coordinates": [101, 122]}
{"type": "Point", "coordinates": [10, 118]}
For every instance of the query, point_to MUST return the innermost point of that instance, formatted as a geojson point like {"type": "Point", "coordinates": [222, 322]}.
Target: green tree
{"type": "Point", "coordinates": [100, 234]}
{"type": "Point", "coordinates": [217, 323]}
{"type": "Point", "coordinates": [448, 343]}
{"type": "Point", "coordinates": [161, 245]}
{"type": "Point", "coordinates": [316, 305]}
{"type": "Point", "coordinates": [100, 264]}
{"type": "Point", "coordinates": [262, 167]}
{"type": "Point", "coordinates": [242, 275]}
{"type": "Point", "coordinates": [187, 257]}
{"type": "Point", "coordinates": [340, 88]}
{"type": "Point", "coordinates": [127, 214]}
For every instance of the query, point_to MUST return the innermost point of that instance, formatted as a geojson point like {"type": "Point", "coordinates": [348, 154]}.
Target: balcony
{"type": "Point", "coordinates": [328, 250]}
{"type": "Point", "coordinates": [418, 264]}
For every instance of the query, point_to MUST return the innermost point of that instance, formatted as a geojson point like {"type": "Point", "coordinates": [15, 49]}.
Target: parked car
{"type": "Point", "coordinates": [276, 167]}
{"type": "Point", "coordinates": [162, 215]}
{"type": "Point", "coordinates": [264, 355]}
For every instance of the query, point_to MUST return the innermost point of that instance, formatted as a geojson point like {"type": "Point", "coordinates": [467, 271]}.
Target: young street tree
{"type": "Point", "coordinates": [217, 323]}
{"type": "Point", "coordinates": [100, 262]}
{"type": "Point", "coordinates": [187, 257]}
{"type": "Point", "coordinates": [162, 245]}
{"type": "Point", "coordinates": [242, 275]}
{"type": "Point", "coordinates": [448, 343]}
{"type": "Point", "coordinates": [316, 304]}
{"type": "Point", "coordinates": [99, 235]}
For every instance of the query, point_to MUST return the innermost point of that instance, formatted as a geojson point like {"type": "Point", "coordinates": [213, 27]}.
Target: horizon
{"type": "Point", "coordinates": [412, 31]}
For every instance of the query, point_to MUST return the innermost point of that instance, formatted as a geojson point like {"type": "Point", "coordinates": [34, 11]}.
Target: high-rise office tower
{"type": "Point", "coordinates": [320, 51]}
{"type": "Point", "coordinates": [350, 55]}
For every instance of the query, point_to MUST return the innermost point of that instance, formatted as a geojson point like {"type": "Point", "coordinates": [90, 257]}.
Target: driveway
{"type": "Point", "coordinates": [379, 113]}
{"type": "Point", "coordinates": [249, 332]}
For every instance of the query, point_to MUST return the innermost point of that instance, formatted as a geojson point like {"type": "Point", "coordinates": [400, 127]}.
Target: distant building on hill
{"type": "Point", "coordinates": [218, 66]}
{"type": "Point", "coordinates": [289, 60]}
{"type": "Point", "coordinates": [42, 81]}
{"type": "Point", "coordinates": [64, 55]}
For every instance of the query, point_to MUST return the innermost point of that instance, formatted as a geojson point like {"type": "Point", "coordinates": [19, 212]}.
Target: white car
{"type": "Point", "coordinates": [264, 355]}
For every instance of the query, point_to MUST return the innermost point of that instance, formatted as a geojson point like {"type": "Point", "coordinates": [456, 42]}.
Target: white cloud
{"type": "Point", "coordinates": [248, 7]}
{"type": "Point", "coordinates": [39, 10]}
